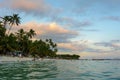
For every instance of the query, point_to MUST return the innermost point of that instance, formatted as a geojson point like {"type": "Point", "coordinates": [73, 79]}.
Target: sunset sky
{"type": "Point", "coordinates": [90, 28]}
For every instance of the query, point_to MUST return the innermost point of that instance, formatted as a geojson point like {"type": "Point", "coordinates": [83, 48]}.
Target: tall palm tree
{"type": "Point", "coordinates": [14, 20]}
{"type": "Point", "coordinates": [31, 33]}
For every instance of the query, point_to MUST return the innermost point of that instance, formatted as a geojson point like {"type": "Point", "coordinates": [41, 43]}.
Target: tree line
{"type": "Point", "coordinates": [22, 40]}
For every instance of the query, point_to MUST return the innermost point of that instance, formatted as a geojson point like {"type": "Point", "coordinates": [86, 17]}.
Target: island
{"type": "Point", "coordinates": [21, 43]}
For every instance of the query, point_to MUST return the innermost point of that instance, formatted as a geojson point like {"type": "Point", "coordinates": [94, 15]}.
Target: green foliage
{"type": "Point", "coordinates": [11, 20]}
{"type": "Point", "coordinates": [2, 32]}
{"type": "Point", "coordinates": [43, 49]}
{"type": "Point", "coordinates": [22, 40]}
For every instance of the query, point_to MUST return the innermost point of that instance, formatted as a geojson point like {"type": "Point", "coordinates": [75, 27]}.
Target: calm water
{"type": "Point", "coordinates": [60, 70]}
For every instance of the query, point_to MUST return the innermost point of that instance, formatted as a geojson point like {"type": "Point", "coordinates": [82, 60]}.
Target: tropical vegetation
{"type": "Point", "coordinates": [21, 41]}
{"type": "Point", "coordinates": [67, 56]}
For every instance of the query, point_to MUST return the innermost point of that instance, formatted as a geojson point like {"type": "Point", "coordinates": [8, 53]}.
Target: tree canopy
{"type": "Point", "coordinates": [21, 41]}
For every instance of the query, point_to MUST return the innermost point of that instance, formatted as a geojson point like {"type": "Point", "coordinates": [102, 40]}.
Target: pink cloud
{"type": "Point", "coordinates": [36, 7]}
{"type": "Point", "coordinates": [42, 28]}
{"type": "Point", "coordinates": [71, 46]}
{"type": "Point", "coordinates": [49, 30]}
{"type": "Point", "coordinates": [67, 46]}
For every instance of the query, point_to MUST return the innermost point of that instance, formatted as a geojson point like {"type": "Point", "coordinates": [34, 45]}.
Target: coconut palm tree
{"type": "Point", "coordinates": [20, 34]}
{"type": "Point", "coordinates": [31, 33]}
{"type": "Point", "coordinates": [13, 20]}
{"type": "Point", "coordinates": [5, 20]}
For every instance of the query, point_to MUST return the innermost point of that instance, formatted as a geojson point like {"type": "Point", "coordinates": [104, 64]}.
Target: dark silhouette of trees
{"type": "Point", "coordinates": [68, 56]}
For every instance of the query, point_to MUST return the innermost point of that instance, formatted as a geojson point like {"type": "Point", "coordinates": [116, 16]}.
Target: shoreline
{"type": "Point", "coordinates": [10, 58]}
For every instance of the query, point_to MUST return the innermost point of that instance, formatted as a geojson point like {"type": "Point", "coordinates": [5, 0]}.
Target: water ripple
{"type": "Point", "coordinates": [60, 70]}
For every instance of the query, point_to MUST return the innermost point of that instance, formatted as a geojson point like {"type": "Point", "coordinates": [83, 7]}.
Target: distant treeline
{"type": "Point", "coordinates": [21, 41]}
{"type": "Point", "coordinates": [67, 56]}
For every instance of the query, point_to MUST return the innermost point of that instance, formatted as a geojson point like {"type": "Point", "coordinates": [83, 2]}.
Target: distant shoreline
{"type": "Point", "coordinates": [10, 58]}
{"type": "Point", "coordinates": [99, 59]}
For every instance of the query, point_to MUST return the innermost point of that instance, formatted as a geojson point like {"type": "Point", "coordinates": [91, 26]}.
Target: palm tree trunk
{"type": "Point", "coordinates": [9, 29]}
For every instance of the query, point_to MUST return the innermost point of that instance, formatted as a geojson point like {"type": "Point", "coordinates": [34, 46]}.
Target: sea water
{"type": "Point", "coordinates": [61, 70]}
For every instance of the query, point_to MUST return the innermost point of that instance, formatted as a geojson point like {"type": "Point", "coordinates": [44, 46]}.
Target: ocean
{"type": "Point", "coordinates": [61, 70]}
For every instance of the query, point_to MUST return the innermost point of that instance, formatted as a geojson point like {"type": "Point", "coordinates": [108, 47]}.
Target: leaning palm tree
{"type": "Point", "coordinates": [14, 20]}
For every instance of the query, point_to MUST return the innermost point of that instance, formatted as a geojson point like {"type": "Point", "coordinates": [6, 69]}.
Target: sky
{"type": "Point", "coordinates": [89, 28]}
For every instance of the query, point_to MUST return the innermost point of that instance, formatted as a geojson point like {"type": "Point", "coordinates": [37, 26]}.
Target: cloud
{"type": "Point", "coordinates": [42, 8]}
{"type": "Point", "coordinates": [76, 7]}
{"type": "Point", "coordinates": [36, 7]}
{"type": "Point", "coordinates": [68, 21]}
{"type": "Point", "coordinates": [113, 44]}
{"type": "Point", "coordinates": [50, 31]}
{"type": "Point", "coordinates": [113, 18]}
{"type": "Point", "coordinates": [90, 30]}
{"type": "Point", "coordinates": [87, 49]}
{"type": "Point", "coordinates": [72, 46]}
{"type": "Point", "coordinates": [109, 49]}
{"type": "Point", "coordinates": [105, 44]}
{"type": "Point", "coordinates": [94, 55]}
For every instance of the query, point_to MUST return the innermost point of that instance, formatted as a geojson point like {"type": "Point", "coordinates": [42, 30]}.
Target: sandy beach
{"type": "Point", "coordinates": [8, 58]}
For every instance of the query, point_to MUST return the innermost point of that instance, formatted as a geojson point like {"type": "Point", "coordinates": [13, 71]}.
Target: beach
{"type": "Point", "coordinates": [9, 58]}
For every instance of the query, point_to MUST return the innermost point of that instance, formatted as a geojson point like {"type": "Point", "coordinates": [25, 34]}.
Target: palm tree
{"type": "Point", "coordinates": [14, 20]}
{"type": "Point", "coordinates": [20, 34]}
{"type": "Point", "coordinates": [5, 20]}
{"type": "Point", "coordinates": [31, 33]}
{"type": "Point", "coordinates": [2, 32]}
